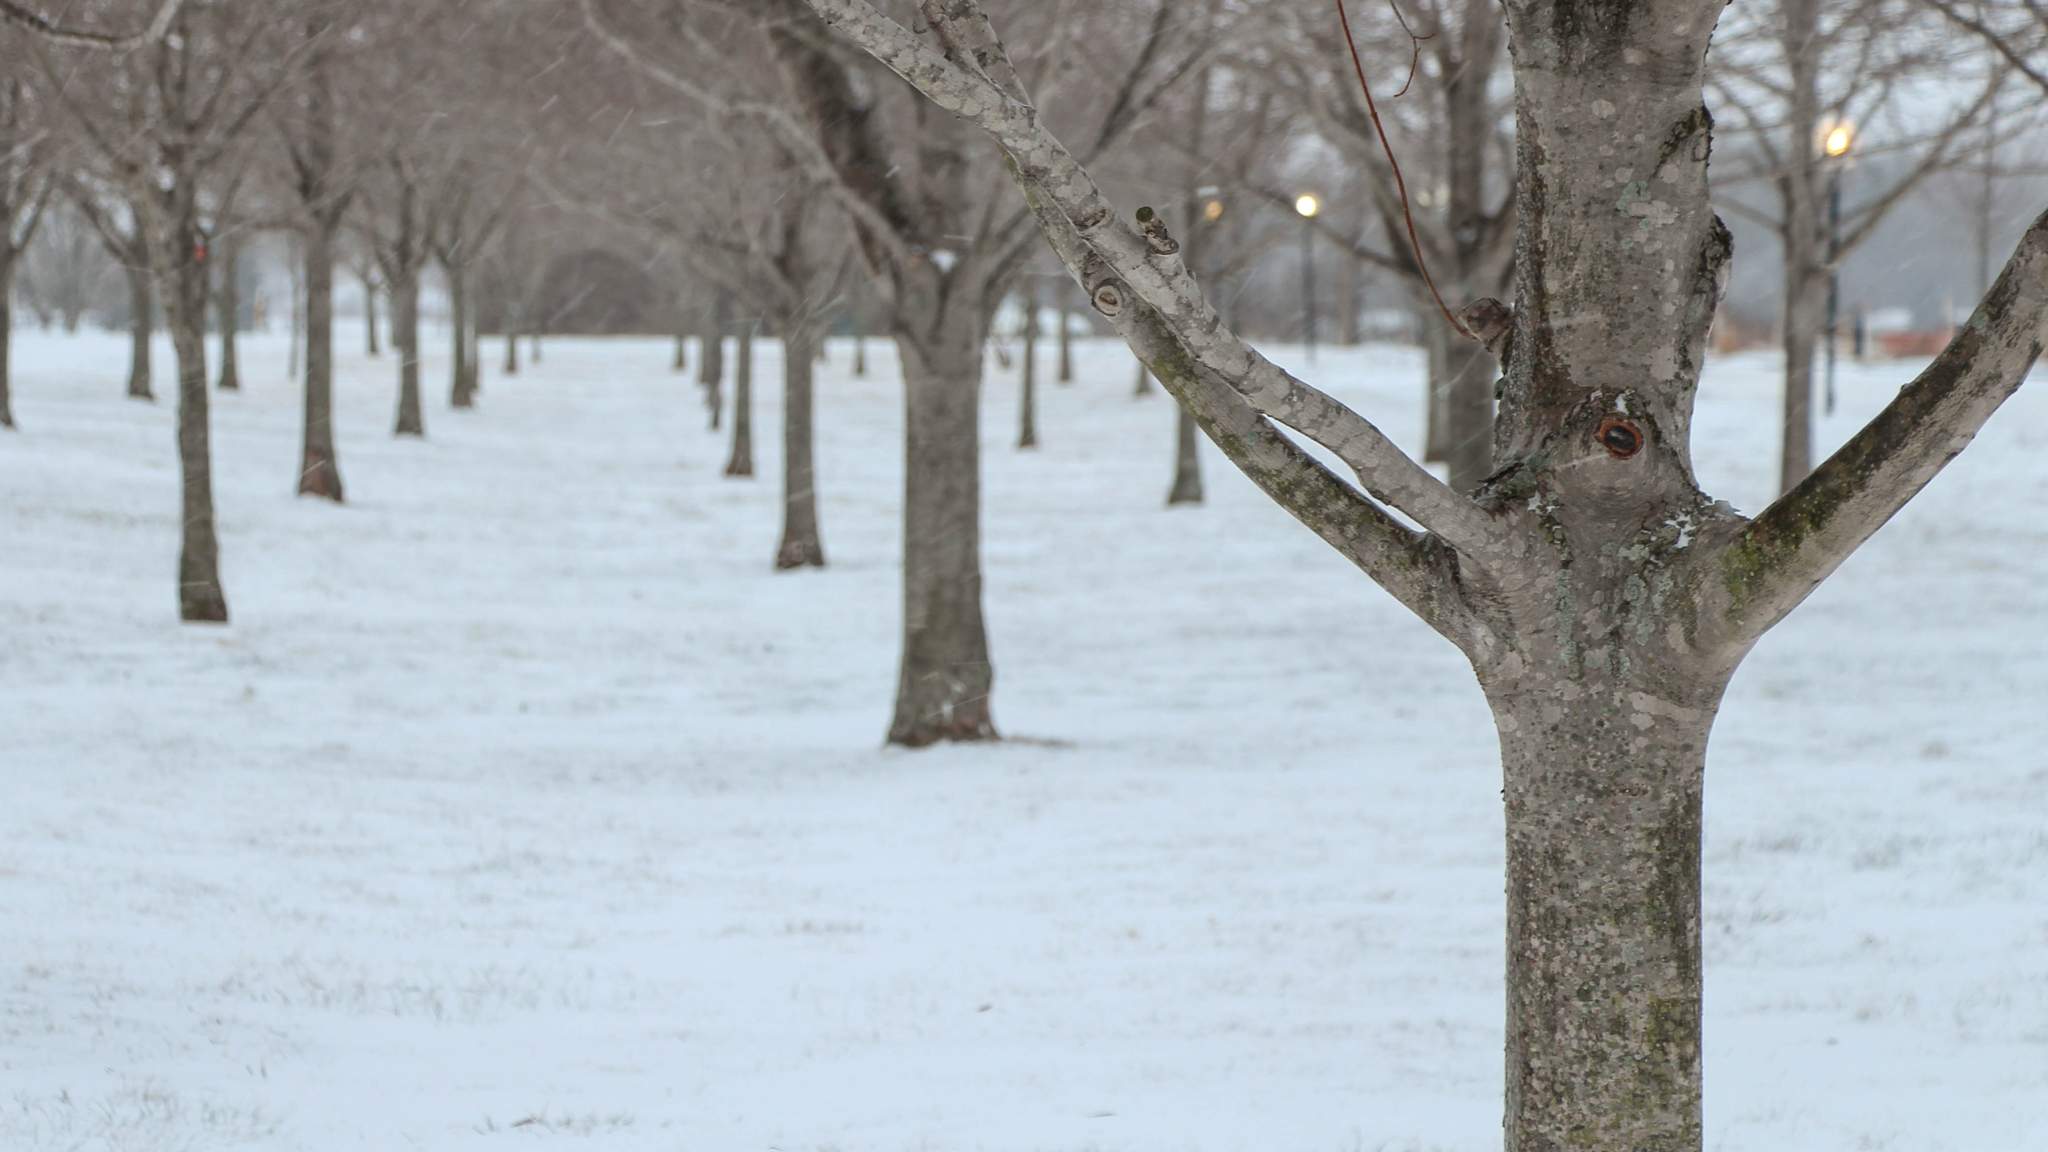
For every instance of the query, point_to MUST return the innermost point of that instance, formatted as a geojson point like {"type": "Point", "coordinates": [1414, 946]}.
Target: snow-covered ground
{"type": "Point", "coordinates": [522, 805]}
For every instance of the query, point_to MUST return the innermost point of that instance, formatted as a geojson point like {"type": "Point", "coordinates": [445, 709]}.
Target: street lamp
{"type": "Point", "coordinates": [1836, 144]}
{"type": "Point", "coordinates": [1307, 206]}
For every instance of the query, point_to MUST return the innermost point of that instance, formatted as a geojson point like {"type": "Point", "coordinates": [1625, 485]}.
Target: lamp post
{"type": "Point", "coordinates": [1307, 206]}
{"type": "Point", "coordinates": [1836, 145]}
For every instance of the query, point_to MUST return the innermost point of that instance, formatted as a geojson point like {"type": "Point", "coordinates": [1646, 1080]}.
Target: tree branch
{"type": "Point", "coordinates": [1797, 542]}
{"type": "Point", "coordinates": [1127, 263]}
{"type": "Point", "coordinates": [12, 12]}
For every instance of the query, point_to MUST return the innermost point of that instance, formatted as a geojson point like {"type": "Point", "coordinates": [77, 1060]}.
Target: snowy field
{"type": "Point", "coordinates": [523, 806]}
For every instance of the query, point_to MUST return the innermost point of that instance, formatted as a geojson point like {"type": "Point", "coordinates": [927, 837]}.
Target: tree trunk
{"type": "Point", "coordinates": [741, 462]}
{"type": "Point", "coordinates": [200, 597]}
{"type": "Point", "coordinates": [511, 348]}
{"type": "Point", "coordinates": [1802, 325]}
{"type": "Point", "coordinates": [319, 469]}
{"type": "Point", "coordinates": [1799, 233]}
{"type": "Point", "coordinates": [943, 685]}
{"type": "Point", "coordinates": [1027, 392]}
{"type": "Point", "coordinates": [711, 356]}
{"type": "Point", "coordinates": [370, 317]}
{"type": "Point", "coordinates": [801, 545]}
{"type": "Point", "coordinates": [1066, 341]}
{"type": "Point", "coordinates": [6, 344]}
{"type": "Point", "coordinates": [1187, 461]}
{"type": "Point", "coordinates": [405, 333]}
{"type": "Point", "coordinates": [533, 347]}
{"type": "Point", "coordinates": [682, 360]}
{"type": "Point", "coordinates": [461, 391]}
{"type": "Point", "coordinates": [1144, 383]}
{"type": "Point", "coordinates": [294, 262]}
{"type": "Point", "coordinates": [1469, 373]}
{"type": "Point", "coordinates": [229, 310]}
{"type": "Point", "coordinates": [141, 305]}
{"type": "Point", "coordinates": [860, 355]}
{"type": "Point", "coordinates": [1603, 856]}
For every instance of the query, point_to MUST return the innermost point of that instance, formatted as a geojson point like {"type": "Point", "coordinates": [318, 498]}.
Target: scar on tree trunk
{"type": "Point", "coordinates": [801, 546]}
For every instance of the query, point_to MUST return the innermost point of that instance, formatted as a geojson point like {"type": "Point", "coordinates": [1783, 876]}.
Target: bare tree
{"type": "Point", "coordinates": [1451, 131]}
{"type": "Point", "coordinates": [119, 225]}
{"type": "Point", "coordinates": [63, 269]}
{"type": "Point", "coordinates": [164, 123]}
{"type": "Point", "coordinates": [1603, 599]}
{"type": "Point", "coordinates": [940, 243]}
{"type": "Point", "coordinates": [1802, 76]}
{"type": "Point", "coordinates": [25, 188]}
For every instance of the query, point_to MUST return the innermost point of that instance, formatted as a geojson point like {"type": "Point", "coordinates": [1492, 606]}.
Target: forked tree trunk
{"type": "Point", "coordinates": [1027, 391]}
{"type": "Point", "coordinates": [6, 344]}
{"type": "Point", "coordinates": [943, 683]}
{"type": "Point", "coordinates": [1187, 461]}
{"type": "Point", "coordinates": [141, 304]}
{"type": "Point", "coordinates": [405, 333]}
{"type": "Point", "coordinates": [461, 389]}
{"type": "Point", "coordinates": [801, 545]}
{"type": "Point", "coordinates": [1603, 599]}
{"type": "Point", "coordinates": [319, 468]}
{"type": "Point", "coordinates": [228, 310]}
{"type": "Point", "coordinates": [370, 317]}
{"type": "Point", "coordinates": [741, 462]}
{"type": "Point", "coordinates": [200, 597]}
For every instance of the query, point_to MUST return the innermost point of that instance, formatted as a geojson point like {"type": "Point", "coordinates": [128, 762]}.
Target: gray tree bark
{"type": "Point", "coordinates": [200, 596]}
{"type": "Point", "coordinates": [1799, 232]}
{"type": "Point", "coordinates": [370, 317]}
{"type": "Point", "coordinates": [511, 367]}
{"type": "Point", "coordinates": [1027, 389]}
{"type": "Point", "coordinates": [319, 467]}
{"type": "Point", "coordinates": [801, 546]}
{"type": "Point", "coordinates": [944, 680]}
{"type": "Point", "coordinates": [405, 334]}
{"type": "Point", "coordinates": [1187, 461]}
{"type": "Point", "coordinates": [229, 310]}
{"type": "Point", "coordinates": [741, 462]}
{"type": "Point", "coordinates": [141, 327]}
{"type": "Point", "coordinates": [462, 385]}
{"type": "Point", "coordinates": [711, 356]}
{"type": "Point", "coordinates": [1603, 599]}
{"type": "Point", "coordinates": [1066, 373]}
{"type": "Point", "coordinates": [6, 344]}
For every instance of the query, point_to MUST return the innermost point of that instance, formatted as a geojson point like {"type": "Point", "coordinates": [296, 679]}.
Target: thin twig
{"type": "Point", "coordinates": [1400, 184]}
{"type": "Point", "coordinates": [1414, 48]}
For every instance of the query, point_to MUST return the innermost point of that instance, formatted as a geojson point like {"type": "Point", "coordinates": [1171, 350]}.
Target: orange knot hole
{"type": "Point", "coordinates": [1621, 438]}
